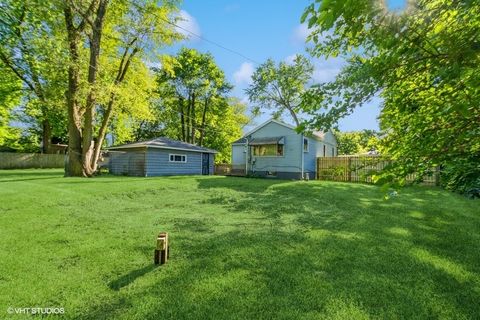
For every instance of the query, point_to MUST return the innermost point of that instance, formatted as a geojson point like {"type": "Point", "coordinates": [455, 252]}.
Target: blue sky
{"type": "Point", "coordinates": [259, 30]}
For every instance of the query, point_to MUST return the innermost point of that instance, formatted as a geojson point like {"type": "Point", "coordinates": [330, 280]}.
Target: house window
{"type": "Point", "coordinates": [268, 150]}
{"type": "Point", "coordinates": [324, 151]}
{"type": "Point", "coordinates": [177, 158]}
{"type": "Point", "coordinates": [305, 145]}
{"type": "Point", "coordinates": [333, 152]}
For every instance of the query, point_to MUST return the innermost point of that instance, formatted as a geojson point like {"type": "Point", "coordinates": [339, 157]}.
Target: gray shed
{"type": "Point", "coordinates": [161, 157]}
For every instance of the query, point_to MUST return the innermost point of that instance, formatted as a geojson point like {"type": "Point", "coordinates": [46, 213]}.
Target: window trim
{"type": "Point", "coordinates": [270, 156]}
{"type": "Point", "coordinates": [308, 145]}
{"type": "Point", "coordinates": [176, 154]}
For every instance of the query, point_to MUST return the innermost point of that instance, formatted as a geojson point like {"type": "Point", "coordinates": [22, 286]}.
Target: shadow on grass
{"type": "Point", "coordinates": [26, 179]}
{"type": "Point", "coordinates": [314, 250]}
{"type": "Point", "coordinates": [263, 275]}
{"type": "Point", "coordinates": [127, 279]}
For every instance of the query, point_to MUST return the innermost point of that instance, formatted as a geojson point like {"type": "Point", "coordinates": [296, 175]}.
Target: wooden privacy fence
{"type": "Point", "coordinates": [31, 160]}
{"type": "Point", "coordinates": [360, 169]}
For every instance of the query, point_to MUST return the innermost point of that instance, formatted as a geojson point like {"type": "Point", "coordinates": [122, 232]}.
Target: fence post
{"type": "Point", "coordinates": [349, 169]}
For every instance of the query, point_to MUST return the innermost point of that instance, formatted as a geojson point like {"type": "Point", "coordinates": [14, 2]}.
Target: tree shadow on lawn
{"type": "Point", "coordinates": [17, 175]}
{"type": "Point", "coordinates": [26, 179]}
{"type": "Point", "coordinates": [278, 274]}
{"type": "Point", "coordinates": [322, 250]}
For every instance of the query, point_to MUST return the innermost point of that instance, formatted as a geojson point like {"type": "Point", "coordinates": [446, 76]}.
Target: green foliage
{"type": "Point", "coordinates": [357, 142]}
{"type": "Point", "coordinates": [192, 105]}
{"type": "Point", "coordinates": [463, 175]}
{"type": "Point", "coordinates": [280, 87]}
{"type": "Point", "coordinates": [10, 93]}
{"type": "Point", "coordinates": [31, 46]}
{"type": "Point", "coordinates": [423, 62]}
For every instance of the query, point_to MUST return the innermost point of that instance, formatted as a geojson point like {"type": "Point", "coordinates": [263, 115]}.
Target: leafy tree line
{"type": "Point", "coordinates": [358, 142]}
{"type": "Point", "coordinates": [192, 104]}
{"type": "Point", "coordinates": [77, 72]}
{"type": "Point", "coordinates": [424, 63]}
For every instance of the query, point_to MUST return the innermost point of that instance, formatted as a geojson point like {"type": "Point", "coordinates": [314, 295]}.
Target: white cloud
{"type": "Point", "coordinates": [245, 100]}
{"type": "Point", "coordinates": [187, 22]}
{"type": "Point", "coordinates": [244, 74]}
{"type": "Point", "coordinates": [300, 33]}
{"type": "Point", "coordinates": [327, 70]}
{"type": "Point", "coordinates": [290, 59]}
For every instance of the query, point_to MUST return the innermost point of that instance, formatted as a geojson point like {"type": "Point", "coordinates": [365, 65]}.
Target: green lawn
{"type": "Point", "coordinates": [241, 249]}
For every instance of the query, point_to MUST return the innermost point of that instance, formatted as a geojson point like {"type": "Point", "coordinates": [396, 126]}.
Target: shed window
{"type": "Point", "coordinates": [305, 145]}
{"type": "Point", "coordinates": [177, 158]}
{"type": "Point", "coordinates": [265, 150]}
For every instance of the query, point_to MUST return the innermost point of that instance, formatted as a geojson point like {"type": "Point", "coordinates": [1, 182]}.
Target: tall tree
{"type": "Point", "coordinates": [191, 81]}
{"type": "Point", "coordinates": [280, 87]}
{"type": "Point", "coordinates": [30, 48]}
{"type": "Point", "coordinates": [355, 142]}
{"type": "Point", "coordinates": [10, 94]}
{"type": "Point", "coordinates": [424, 62]}
{"type": "Point", "coordinates": [121, 31]}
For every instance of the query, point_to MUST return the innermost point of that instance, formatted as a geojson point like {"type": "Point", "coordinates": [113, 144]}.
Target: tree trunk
{"type": "Point", "coordinates": [204, 117]}
{"type": "Point", "coordinates": [88, 159]}
{"type": "Point", "coordinates": [188, 125]}
{"type": "Point", "coordinates": [294, 116]}
{"type": "Point", "coordinates": [74, 166]}
{"type": "Point", "coordinates": [182, 117]}
{"type": "Point", "coordinates": [122, 71]}
{"type": "Point", "coordinates": [192, 111]}
{"type": "Point", "coordinates": [46, 136]}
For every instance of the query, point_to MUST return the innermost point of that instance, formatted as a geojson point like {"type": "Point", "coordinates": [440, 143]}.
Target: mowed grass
{"type": "Point", "coordinates": [240, 249]}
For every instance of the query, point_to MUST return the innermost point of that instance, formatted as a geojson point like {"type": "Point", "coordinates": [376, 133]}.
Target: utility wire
{"type": "Point", "coordinates": [209, 41]}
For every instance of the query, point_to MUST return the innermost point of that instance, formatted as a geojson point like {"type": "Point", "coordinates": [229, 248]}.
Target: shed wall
{"type": "Point", "coordinates": [129, 162]}
{"type": "Point", "coordinates": [158, 163]}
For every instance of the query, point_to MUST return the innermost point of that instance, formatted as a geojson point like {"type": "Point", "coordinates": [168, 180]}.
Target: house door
{"type": "Point", "coordinates": [205, 164]}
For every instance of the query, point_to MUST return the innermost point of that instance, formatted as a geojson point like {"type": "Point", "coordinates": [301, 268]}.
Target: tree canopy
{"type": "Point", "coordinates": [280, 87]}
{"type": "Point", "coordinates": [423, 62]}
{"type": "Point", "coordinates": [358, 142]}
{"type": "Point", "coordinates": [192, 104]}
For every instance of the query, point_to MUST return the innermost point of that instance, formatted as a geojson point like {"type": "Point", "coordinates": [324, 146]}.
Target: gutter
{"type": "Point", "coordinates": [246, 156]}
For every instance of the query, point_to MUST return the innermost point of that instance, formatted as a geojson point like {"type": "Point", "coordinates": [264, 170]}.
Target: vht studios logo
{"type": "Point", "coordinates": [35, 310]}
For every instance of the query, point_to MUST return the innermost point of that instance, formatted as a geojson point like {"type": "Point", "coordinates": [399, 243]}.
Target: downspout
{"type": "Point", "coordinates": [302, 155]}
{"type": "Point", "coordinates": [246, 156]}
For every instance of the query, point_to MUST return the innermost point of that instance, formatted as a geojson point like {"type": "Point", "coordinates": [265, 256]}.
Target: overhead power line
{"type": "Point", "coordinates": [210, 41]}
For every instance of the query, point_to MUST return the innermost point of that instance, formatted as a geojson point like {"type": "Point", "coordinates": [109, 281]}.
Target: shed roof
{"type": "Point", "coordinates": [164, 143]}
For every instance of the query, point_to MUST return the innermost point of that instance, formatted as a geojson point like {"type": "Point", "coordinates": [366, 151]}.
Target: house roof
{"type": "Point", "coordinates": [240, 141]}
{"type": "Point", "coordinates": [268, 140]}
{"type": "Point", "coordinates": [164, 143]}
{"type": "Point", "coordinates": [316, 134]}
